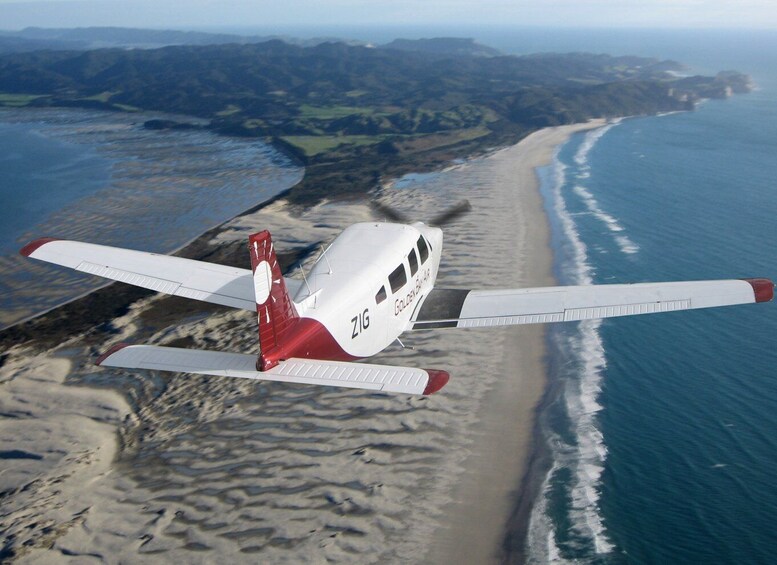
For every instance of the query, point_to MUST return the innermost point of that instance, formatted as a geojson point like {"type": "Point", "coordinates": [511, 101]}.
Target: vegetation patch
{"type": "Point", "coordinates": [18, 100]}
{"type": "Point", "coordinates": [102, 97]}
{"type": "Point", "coordinates": [312, 145]}
{"type": "Point", "coordinates": [229, 110]}
{"type": "Point", "coordinates": [412, 144]}
{"type": "Point", "coordinates": [127, 108]}
{"type": "Point", "coordinates": [332, 112]}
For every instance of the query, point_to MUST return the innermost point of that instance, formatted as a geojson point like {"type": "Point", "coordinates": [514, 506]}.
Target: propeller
{"type": "Point", "coordinates": [442, 219]}
{"type": "Point", "coordinates": [388, 212]}
{"type": "Point", "coordinates": [452, 214]}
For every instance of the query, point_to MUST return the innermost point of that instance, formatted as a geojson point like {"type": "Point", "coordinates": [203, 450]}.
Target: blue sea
{"type": "Point", "coordinates": [663, 429]}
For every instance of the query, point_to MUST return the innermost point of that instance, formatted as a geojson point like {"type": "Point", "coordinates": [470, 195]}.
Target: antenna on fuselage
{"type": "Point", "coordinates": [304, 278]}
{"type": "Point", "coordinates": [323, 254]}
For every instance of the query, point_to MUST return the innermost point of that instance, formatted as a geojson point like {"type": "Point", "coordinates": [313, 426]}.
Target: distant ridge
{"type": "Point", "coordinates": [444, 46]}
{"type": "Point", "coordinates": [86, 38]}
{"type": "Point", "coordinates": [346, 108]}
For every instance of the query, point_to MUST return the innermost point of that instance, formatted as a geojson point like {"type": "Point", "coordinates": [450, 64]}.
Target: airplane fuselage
{"type": "Point", "coordinates": [374, 282]}
{"type": "Point", "coordinates": [369, 281]}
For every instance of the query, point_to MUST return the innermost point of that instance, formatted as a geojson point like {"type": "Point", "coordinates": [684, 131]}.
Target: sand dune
{"type": "Point", "coordinates": [214, 469]}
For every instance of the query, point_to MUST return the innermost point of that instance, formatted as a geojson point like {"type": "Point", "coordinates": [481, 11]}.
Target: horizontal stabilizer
{"type": "Point", "coordinates": [449, 308]}
{"type": "Point", "coordinates": [308, 371]}
{"type": "Point", "coordinates": [187, 278]}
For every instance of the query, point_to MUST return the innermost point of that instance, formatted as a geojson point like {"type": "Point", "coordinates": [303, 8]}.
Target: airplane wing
{"type": "Point", "coordinates": [309, 371]}
{"type": "Point", "coordinates": [449, 308]}
{"type": "Point", "coordinates": [198, 280]}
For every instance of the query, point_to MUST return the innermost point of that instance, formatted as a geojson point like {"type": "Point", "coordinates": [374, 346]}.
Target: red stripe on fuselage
{"type": "Point", "coordinates": [304, 338]}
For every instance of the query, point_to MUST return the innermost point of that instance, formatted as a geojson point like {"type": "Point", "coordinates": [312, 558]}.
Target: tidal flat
{"type": "Point", "coordinates": [158, 191]}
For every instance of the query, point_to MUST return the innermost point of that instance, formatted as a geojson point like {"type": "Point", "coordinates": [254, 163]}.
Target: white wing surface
{"type": "Point", "coordinates": [487, 308]}
{"type": "Point", "coordinates": [308, 371]}
{"type": "Point", "coordinates": [197, 280]}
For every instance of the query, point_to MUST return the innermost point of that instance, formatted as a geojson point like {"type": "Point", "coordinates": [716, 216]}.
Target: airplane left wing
{"type": "Point", "coordinates": [197, 280]}
{"type": "Point", "coordinates": [449, 308]}
{"type": "Point", "coordinates": [308, 371]}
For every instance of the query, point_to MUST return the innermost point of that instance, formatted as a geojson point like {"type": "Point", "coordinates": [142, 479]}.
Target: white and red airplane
{"type": "Point", "coordinates": [374, 282]}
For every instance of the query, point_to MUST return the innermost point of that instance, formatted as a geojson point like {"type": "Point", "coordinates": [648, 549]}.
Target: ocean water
{"type": "Point", "coordinates": [40, 174]}
{"type": "Point", "coordinates": [101, 177]}
{"type": "Point", "coordinates": [663, 429]}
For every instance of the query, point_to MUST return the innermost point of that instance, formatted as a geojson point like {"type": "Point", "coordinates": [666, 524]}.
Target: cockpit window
{"type": "Point", "coordinates": [413, 260]}
{"type": "Point", "coordinates": [398, 278]}
{"type": "Point", "coordinates": [381, 295]}
{"type": "Point", "coordinates": [423, 249]}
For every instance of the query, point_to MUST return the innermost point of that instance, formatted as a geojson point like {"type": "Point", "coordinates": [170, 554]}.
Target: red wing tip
{"type": "Point", "coordinates": [762, 288]}
{"type": "Point", "coordinates": [33, 246]}
{"type": "Point", "coordinates": [119, 346]}
{"type": "Point", "coordinates": [437, 380]}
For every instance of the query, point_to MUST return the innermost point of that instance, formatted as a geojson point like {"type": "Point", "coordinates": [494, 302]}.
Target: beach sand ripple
{"type": "Point", "coordinates": [213, 469]}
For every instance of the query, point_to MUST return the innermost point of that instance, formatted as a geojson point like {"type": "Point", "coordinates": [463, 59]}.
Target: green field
{"type": "Point", "coordinates": [102, 97]}
{"type": "Point", "coordinates": [229, 110]}
{"type": "Point", "coordinates": [315, 144]}
{"type": "Point", "coordinates": [127, 107]}
{"type": "Point", "coordinates": [332, 112]}
{"type": "Point", "coordinates": [17, 100]}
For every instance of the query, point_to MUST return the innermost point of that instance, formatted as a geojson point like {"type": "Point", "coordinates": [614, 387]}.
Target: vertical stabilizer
{"type": "Point", "coordinates": [274, 306]}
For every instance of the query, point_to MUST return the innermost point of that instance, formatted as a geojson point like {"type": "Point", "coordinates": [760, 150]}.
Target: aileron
{"type": "Point", "coordinates": [491, 308]}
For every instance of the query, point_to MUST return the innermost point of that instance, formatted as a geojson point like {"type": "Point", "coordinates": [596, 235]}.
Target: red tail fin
{"type": "Point", "coordinates": [274, 306]}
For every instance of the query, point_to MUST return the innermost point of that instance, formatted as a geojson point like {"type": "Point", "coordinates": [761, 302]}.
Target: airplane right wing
{"type": "Point", "coordinates": [198, 280]}
{"type": "Point", "coordinates": [308, 371]}
{"type": "Point", "coordinates": [450, 308]}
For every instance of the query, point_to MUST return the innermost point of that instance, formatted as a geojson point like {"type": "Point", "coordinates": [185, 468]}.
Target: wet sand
{"type": "Point", "coordinates": [163, 188]}
{"type": "Point", "coordinates": [498, 460]}
{"type": "Point", "coordinates": [212, 469]}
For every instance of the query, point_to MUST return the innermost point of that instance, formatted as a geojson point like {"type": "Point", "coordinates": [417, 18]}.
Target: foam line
{"type": "Point", "coordinates": [585, 457]}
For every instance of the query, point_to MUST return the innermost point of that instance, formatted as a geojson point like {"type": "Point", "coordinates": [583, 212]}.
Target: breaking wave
{"type": "Point", "coordinates": [583, 172]}
{"type": "Point", "coordinates": [579, 451]}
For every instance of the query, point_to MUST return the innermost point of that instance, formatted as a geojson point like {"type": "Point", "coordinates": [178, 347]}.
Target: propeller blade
{"type": "Point", "coordinates": [452, 214]}
{"type": "Point", "coordinates": [388, 212]}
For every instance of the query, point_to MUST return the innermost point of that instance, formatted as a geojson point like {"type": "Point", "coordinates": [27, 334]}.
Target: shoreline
{"type": "Point", "coordinates": [175, 252]}
{"type": "Point", "coordinates": [493, 500]}
{"type": "Point", "coordinates": [486, 483]}
{"type": "Point", "coordinates": [162, 191]}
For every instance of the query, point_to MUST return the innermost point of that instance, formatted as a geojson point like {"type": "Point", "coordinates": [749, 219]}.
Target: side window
{"type": "Point", "coordinates": [398, 278]}
{"type": "Point", "coordinates": [413, 260]}
{"type": "Point", "coordinates": [381, 295]}
{"type": "Point", "coordinates": [423, 249]}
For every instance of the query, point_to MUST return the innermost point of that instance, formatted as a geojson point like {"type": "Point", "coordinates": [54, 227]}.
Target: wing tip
{"type": "Point", "coordinates": [118, 347]}
{"type": "Point", "coordinates": [437, 380]}
{"type": "Point", "coordinates": [763, 289]}
{"type": "Point", "coordinates": [35, 244]}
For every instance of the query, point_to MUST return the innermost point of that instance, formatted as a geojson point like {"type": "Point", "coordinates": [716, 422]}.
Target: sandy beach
{"type": "Point", "coordinates": [490, 489]}
{"type": "Point", "coordinates": [202, 469]}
